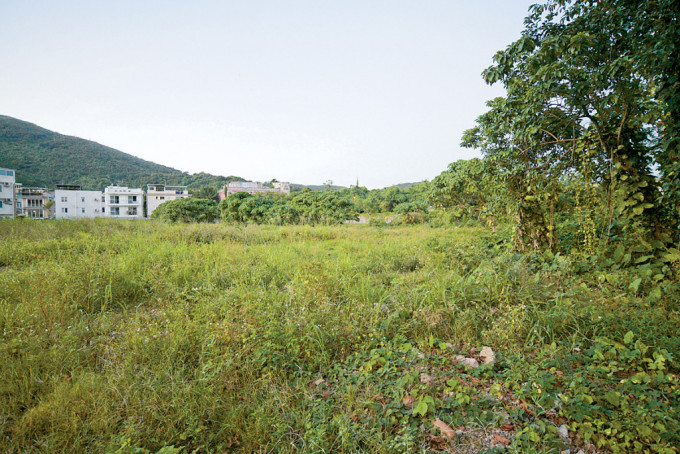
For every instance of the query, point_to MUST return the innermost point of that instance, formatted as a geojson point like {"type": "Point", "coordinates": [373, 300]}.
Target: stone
{"type": "Point", "coordinates": [470, 362]}
{"type": "Point", "coordinates": [563, 431]}
{"type": "Point", "coordinates": [487, 355]}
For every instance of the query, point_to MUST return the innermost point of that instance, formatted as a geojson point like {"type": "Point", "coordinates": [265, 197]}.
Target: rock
{"type": "Point", "coordinates": [563, 431]}
{"type": "Point", "coordinates": [487, 355]}
{"type": "Point", "coordinates": [426, 379]}
{"type": "Point", "coordinates": [445, 429]}
{"type": "Point", "coordinates": [470, 362]}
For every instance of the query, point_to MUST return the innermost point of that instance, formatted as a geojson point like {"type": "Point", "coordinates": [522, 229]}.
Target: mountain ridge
{"type": "Point", "coordinates": [46, 158]}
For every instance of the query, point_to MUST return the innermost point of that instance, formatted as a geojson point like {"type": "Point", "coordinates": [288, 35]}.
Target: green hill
{"type": "Point", "coordinates": [45, 158]}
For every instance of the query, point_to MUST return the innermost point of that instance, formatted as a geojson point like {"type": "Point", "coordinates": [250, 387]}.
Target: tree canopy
{"type": "Point", "coordinates": [590, 93]}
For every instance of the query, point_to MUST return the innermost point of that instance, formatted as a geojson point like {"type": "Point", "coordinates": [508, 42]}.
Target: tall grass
{"type": "Point", "coordinates": [125, 336]}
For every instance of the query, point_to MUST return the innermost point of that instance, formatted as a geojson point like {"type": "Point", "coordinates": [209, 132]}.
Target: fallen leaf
{"type": "Point", "coordinates": [508, 427]}
{"type": "Point", "coordinates": [501, 439]}
{"type": "Point", "coordinates": [319, 381]}
{"type": "Point", "coordinates": [408, 401]}
{"type": "Point", "coordinates": [438, 442]}
{"type": "Point", "coordinates": [444, 428]}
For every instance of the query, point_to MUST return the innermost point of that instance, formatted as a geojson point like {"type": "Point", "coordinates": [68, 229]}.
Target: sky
{"type": "Point", "coordinates": [306, 91]}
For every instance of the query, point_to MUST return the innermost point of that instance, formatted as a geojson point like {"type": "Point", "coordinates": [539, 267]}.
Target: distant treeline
{"type": "Point", "coordinates": [301, 207]}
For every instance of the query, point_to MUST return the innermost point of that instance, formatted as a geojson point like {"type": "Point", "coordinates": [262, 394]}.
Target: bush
{"type": "Point", "coordinates": [187, 210]}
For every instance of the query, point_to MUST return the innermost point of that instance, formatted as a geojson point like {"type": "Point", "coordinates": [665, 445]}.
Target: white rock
{"type": "Point", "coordinates": [487, 355]}
{"type": "Point", "coordinates": [562, 431]}
{"type": "Point", "coordinates": [470, 362]}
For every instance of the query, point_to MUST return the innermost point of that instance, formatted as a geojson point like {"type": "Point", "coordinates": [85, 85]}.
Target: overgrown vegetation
{"type": "Point", "coordinates": [134, 336]}
{"type": "Point", "coordinates": [558, 252]}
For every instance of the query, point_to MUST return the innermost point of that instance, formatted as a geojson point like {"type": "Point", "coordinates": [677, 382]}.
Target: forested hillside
{"type": "Point", "coordinates": [44, 158]}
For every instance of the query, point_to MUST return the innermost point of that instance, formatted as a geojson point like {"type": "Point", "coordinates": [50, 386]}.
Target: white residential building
{"type": "Point", "coordinates": [71, 202]}
{"type": "Point", "coordinates": [160, 193]}
{"type": "Point", "coordinates": [7, 181]}
{"type": "Point", "coordinates": [124, 203]}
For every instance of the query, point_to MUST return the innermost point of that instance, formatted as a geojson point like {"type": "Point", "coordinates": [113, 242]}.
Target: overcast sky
{"type": "Point", "coordinates": [301, 91]}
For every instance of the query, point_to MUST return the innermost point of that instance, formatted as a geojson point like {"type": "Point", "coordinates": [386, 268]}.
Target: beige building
{"type": "Point", "coordinates": [33, 202]}
{"type": "Point", "coordinates": [156, 194]}
{"type": "Point", "coordinates": [253, 187]}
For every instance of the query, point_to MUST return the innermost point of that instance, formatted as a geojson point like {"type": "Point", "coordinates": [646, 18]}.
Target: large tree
{"type": "Point", "coordinates": [588, 94]}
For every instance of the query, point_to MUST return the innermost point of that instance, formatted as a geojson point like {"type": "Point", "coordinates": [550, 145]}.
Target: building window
{"type": "Point", "coordinates": [82, 199]}
{"type": "Point", "coordinates": [82, 210]}
{"type": "Point", "coordinates": [64, 199]}
{"type": "Point", "coordinates": [64, 210]}
{"type": "Point", "coordinates": [132, 211]}
{"type": "Point", "coordinates": [0, 204]}
{"type": "Point", "coordinates": [114, 199]}
{"type": "Point", "coordinates": [132, 199]}
{"type": "Point", "coordinates": [103, 209]}
{"type": "Point", "coordinates": [115, 211]}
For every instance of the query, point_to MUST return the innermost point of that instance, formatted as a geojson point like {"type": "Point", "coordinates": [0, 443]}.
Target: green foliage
{"type": "Point", "coordinates": [189, 209]}
{"type": "Point", "coordinates": [45, 158]}
{"type": "Point", "coordinates": [471, 190]}
{"type": "Point", "coordinates": [577, 106]}
{"type": "Point", "coordinates": [140, 336]}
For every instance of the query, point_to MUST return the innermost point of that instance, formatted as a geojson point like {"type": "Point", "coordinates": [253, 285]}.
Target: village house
{"type": "Point", "coordinates": [156, 194]}
{"type": "Point", "coordinates": [253, 187]}
{"type": "Point", "coordinates": [33, 202]}
{"type": "Point", "coordinates": [72, 202]}
{"type": "Point", "coordinates": [123, 202]}
{"type": "Point", "coordinates": [7, 182]}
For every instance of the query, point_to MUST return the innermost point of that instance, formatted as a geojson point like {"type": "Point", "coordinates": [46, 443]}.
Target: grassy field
{"type": "Point", "coordinates": [135, 337]}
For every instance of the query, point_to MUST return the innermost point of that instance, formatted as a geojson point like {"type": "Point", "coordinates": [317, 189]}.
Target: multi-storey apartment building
{"type": "Point", "coordinates": [124, 203]}
{"type": "Point", "coordinates": [71, 202]}
{"type": "Point", "coordinates": [253, 187]}
{"type": "Point", "coordinates": [157, 194]}
{"type": "Point", "coordinates": [33, 202]}
{"type": "Point", "coordinates": [7, 181]}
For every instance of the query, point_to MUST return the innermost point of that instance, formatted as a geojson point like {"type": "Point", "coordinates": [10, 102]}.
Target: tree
{"type": "Point", "coordinates": [187, 209]}
{"type": "Point", "coordinates": [577, 103]}
{"type": "Point", "coordinates": [471, 188]}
